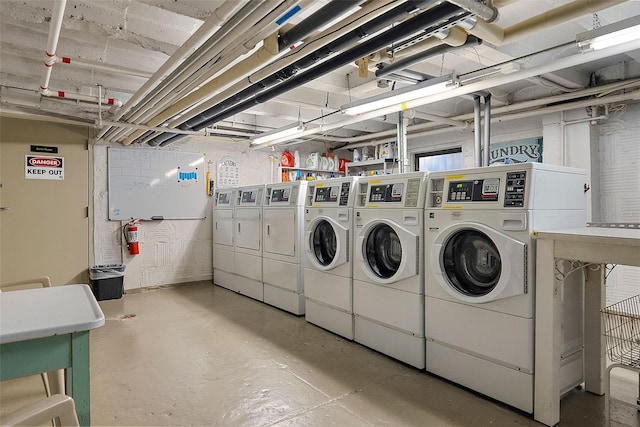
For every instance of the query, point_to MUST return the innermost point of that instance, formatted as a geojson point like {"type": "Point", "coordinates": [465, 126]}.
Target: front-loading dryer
{"type": "Point", "coordinates": [248, 241]}
{"type": "Point", "coordinates": [480, 275]}
{"type": "Point", "coordinates": [282, 230]}
{"type": "Point", "coordinates": [388, 274]}
{"type": "Point", "coordinates": [328, 241]}
{"type": "Point", "coordinates": [223, 242]}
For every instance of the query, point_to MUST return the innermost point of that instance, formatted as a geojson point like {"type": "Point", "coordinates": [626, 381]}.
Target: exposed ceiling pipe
{"type": "Point", "coordinates": [310, 24]}
{"type": "Point", "coordinates": [110, 68]}
{"type": "Point", "coordinates": [508, 110]}
{"type": "Point", "coordinates": [57, 15]}
{"type": "Point", "coordinates": [430, 53]}
{"type": "Point", "coordinates": [206, 30]}
{"type": "Point", "coordinates": [483, 85]}
{"type": "Point", "coordinates": [228, 46]}
{"type": "Point", "coordinates": [309, 59]}
{"type": "Point", "coordinates": [436, 16]}
{"type": "Point", "coordinates": [210, 58]}
{"type": "Point", "coordinates": [477, 130]}
{"type": "Point", "coordinates": [272, 46]}
{"type": "Point", "coordinates": [610, 99]}
{"type": "Point", "coordinates": [369, 11]}
{"type": "Point", "coordinates": [487, 130]}
{"type": "Point", "coordinates": [486, 12]}
{"type": "Point", "coordinates": [558, 16]}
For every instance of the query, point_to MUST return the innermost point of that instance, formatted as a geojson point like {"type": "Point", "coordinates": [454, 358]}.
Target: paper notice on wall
{"type": "Point", "coordinates": [44, 167]}
{"type": "Point", "coordinates": [227, 172]}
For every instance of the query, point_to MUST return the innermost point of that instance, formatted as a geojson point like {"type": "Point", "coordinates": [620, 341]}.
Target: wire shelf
{"type": "Point", "coordinates": [622, 329]}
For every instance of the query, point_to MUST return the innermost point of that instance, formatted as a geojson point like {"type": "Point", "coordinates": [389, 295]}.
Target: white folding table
{"type": "Point", "coordinates": [46, 329]}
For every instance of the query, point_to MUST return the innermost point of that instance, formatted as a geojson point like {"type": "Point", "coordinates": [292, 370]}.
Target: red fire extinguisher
{"type": "Point", "coordinates": [130, 231]}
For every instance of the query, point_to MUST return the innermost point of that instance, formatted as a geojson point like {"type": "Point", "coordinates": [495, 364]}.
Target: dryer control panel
{"type": "Point", "coordinates": [476, 190]}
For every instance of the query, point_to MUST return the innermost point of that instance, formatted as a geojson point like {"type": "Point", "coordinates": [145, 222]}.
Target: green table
{"type": "Point", "coordinates": [47, 329]}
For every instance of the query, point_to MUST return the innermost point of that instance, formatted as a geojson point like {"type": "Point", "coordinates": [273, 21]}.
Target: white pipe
{"type": "Point", "coordinates": [57, 15]}
{"type": "Point", "coordinates": [226, 43]}
{"type": "Point", "coordinates": [79, 62]}
{"type": "Point", "coordinates": [478, 8]}
{"type": "Point", "coordinates": [265, 54]}
{"type": "Point", "coordinates": [369, 11]}
{"type": "Point", "coordinates": [223, 40]}
{"type": "Point", "coordinates": [114, 102]}
{"type": "Point", "coordinates": [206, 30]}
{"type": "Point", "coordinates": [477, 134]}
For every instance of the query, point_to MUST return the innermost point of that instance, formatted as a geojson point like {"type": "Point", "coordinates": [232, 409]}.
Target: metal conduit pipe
{"type": "Point", "coordinates": [310, 24]}
{"type": "Point", "coordinates": [374, 25]}
{"type": "Point", "coordinates": [202, 34]}
{"type": "Point", "coordinates": [271, 47]}
{"type": "Point", "coordinates": [488, 13]}
{"type": "Point", "coordinates": [477, 134]}
{"type": "Point", "coordinates": [415, 59]}
{"type": "Point", "coordinates": [487, 129]}
{"type": "Point", "coordinates": [368, 11]}
{"type": "Point", "coordinates": [210, 53]}
{"type": "Point", "coordinates": [435, 17]}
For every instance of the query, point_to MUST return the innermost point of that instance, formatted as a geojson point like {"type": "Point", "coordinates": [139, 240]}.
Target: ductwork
{"type": "Point", "coordinates": [437, 15]}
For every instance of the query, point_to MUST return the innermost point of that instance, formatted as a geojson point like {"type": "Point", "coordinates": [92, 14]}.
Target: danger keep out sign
{"type": "Point", "coordinates": [44, 167]}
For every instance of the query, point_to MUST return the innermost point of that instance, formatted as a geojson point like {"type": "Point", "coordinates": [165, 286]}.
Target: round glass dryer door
{"type": "Point", "coordinates": [383, 251]}
{"type": "Point", "coordinates": [324, 243]}
{"type": "Point", "coordinates": [471, 263]}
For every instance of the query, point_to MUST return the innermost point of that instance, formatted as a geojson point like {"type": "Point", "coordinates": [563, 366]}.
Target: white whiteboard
{"type": "Point", "coordinates": [156, 184]}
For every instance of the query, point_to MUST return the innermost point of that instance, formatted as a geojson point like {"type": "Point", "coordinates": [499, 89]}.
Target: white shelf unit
{"type": "Point", "coordinates": [382, 166]}
{"type": "Point", "coordinates": [305, 171]}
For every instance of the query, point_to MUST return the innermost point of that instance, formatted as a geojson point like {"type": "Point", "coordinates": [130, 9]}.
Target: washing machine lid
{"type": "Point", "coordinates": [327, 243]}
{"type": "Point", "coordinates": [388, 252]}
{"type": "Point", "coordinates": [476, 264]}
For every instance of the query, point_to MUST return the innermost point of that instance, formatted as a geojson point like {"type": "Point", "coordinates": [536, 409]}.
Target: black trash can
{"type": "Point", "coordinates": [107, 281]}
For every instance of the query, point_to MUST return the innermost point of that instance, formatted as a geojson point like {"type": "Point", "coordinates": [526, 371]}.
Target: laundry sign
{"type": "Point", "coordinates": [44, 167]}
{"type": "Point", "coordinates": [519, 151]}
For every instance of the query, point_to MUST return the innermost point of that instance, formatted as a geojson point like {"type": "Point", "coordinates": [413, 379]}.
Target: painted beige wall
{"type": "Point", "coordinates": [45, 232]}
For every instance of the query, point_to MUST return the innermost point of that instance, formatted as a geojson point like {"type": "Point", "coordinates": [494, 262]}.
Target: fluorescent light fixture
{"type": "Point", "coordinates": [401, 96]}
{"type": "Point", "coordinates": [610, 35]}
{"type": "Point", "coordinates": [276, 134]}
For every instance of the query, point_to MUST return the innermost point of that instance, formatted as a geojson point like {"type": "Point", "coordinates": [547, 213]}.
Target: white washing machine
{"type": "Point", "coordinates": [283, 227]}
{"type": "Point", "coordinates": [388, 273]}
{"type": "Point", "coordinates": [223, 243]}
{"type": "Point", "coordinates": [328, 240]}
{"type": "Point", "coordinates": [480, 275]}
{"type": "Point", "coordinates": [248, 241]}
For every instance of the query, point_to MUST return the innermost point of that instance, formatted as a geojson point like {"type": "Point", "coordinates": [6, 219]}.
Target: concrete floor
{"type": "Point", "coordinates": [198, 354]}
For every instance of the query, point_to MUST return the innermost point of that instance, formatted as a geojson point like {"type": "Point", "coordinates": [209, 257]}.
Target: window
{"type": "Point", "coordinates": [439, 160]}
